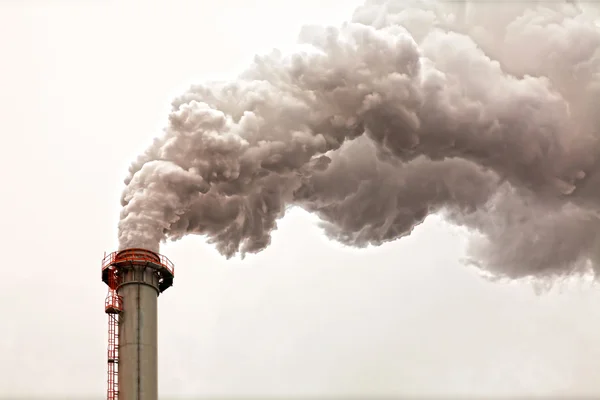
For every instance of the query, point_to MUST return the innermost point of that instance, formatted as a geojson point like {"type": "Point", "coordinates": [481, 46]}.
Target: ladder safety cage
{"type": "Point", "coordinates": [113, 306]}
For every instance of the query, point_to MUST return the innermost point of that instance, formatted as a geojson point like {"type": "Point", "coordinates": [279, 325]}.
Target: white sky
{"type": "Point", "coordinates": [84, 87]}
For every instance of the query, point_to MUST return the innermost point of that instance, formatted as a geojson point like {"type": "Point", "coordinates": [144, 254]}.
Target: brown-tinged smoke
{"type": "Point", "coordinates": [486, 112]}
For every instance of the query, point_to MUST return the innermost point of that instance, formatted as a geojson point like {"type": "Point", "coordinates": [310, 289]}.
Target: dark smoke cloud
{"type": "Point", "coordinates": [483, 111]}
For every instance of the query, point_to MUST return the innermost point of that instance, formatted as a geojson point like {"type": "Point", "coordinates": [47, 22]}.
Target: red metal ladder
{"type": "Point", "coordinates": [113, 307]}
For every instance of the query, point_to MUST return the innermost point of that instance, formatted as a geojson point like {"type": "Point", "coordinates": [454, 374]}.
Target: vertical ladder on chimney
{"type": "Point", "coordinates": [113, 307]}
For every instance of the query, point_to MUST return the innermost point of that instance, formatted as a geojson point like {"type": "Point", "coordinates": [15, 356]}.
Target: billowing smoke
{"type": "Point", "coordinates": [486, 112]}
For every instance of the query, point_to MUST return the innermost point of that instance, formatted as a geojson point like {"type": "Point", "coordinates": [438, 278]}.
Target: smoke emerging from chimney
{"type": "Point", "coordinates": [485, 112]}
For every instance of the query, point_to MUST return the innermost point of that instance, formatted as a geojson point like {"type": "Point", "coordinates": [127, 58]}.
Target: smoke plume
{"type": "Point", "coordinates": [486, 112]}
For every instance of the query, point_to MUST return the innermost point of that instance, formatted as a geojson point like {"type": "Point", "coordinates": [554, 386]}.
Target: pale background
{"type": "Point", "coordinates": [84, 87]}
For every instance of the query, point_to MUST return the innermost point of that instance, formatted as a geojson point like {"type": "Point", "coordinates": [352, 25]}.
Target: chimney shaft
{"type": "Point", "coordinates": [141, 276]}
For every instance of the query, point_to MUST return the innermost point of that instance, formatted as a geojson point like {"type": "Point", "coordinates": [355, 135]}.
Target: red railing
{"type": "Point", "coordinates": [130, 255]}
{"type": "Point", "coordinates": [113, 302]}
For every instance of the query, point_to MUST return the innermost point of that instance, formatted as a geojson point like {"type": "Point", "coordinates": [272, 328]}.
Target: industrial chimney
{"type": "Point", "coordinates": [135, 278]}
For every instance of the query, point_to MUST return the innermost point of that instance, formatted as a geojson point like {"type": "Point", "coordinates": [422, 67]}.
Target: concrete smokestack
{"type": "Point", "coordinates": [135, 277]}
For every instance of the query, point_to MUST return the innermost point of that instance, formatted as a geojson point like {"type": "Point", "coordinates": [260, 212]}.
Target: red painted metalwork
{"type": "Point", "coordinates": [137, 256]}
{"type": "Point", "coordinates": [113, 266]}
{"type": "Point", "coordinates": [113, 305]}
